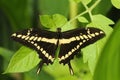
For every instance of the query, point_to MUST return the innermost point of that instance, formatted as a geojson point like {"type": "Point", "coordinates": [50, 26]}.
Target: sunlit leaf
{"type": "Point", "coordinates": [53, 21]}
{"type": "Point", "coordinates": [108, 67]}
{"type": "Point", "coordinates": [67, 26]}
{"type": "Point", "coordinates": [57, 70]}
{"type": "Point", "coordinates": [82, 19]}
{"type": "Point", "coordinates": [23, 60]}
{"type": "Point", "coordinates": [86, 1]}
{"type": "Point", "coordinates": [59, 20]}
{"type": "Point", "coordinates": [77, 1]}
{"type": "Point", "coordinates": [92, 52]}
{"type": "Point", "coordinates": [47, 21]}
{"type": "Point", "coordinates": [116, 3]}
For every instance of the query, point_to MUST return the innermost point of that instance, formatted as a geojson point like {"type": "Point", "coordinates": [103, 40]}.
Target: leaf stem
{"type": "Point", "coordinates": [88, 10]}
{"type": "Point", "coordinates": [94, 5]}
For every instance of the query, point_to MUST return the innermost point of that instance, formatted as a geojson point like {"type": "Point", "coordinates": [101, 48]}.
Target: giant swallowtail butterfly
{"type": "Point", "coordinates": [46, 42]}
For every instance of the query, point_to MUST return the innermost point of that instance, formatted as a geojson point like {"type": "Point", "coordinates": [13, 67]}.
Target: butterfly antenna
{"type": "Point", "coordinates": [70, 69]}
{"type": "Point", "coordinates": [40, 67]}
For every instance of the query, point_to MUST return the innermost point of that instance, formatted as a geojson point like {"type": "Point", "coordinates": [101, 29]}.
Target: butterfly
{"type": "Point", "coordinates": [46, 42]}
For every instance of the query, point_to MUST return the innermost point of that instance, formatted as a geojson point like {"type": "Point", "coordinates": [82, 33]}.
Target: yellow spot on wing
{"type": "Point", "coordinates": [44, 52]}
{"type": "Point", "coordinates": [73, 50]}
{"type": "Point", "coordinates": [35, 44]}
{"type": "Point", "coordinates": [41, 49]}
{"type": "Point", "coordinates": [39, 39]}
{"type": "Point", "coordinates": [14, 34]}
{"type": "Point", "coordinates": [54, 41]}
{"type": "Point", "coordinates": [62, 58]}
{"type": "Point", "coordinates": [89, 36]}
{"type": "Point", "coordinates": [31, 38]}
{"type": "Point", "coordinates": [23, 36]}
{"type": "Point", "coordinates": [96, 33]}
{"type": "Point", "coordinates": [85, 36]}
{"type": "Point", "coordinates": [27, 38]}
{"type": "Point", "coordinates": [101, 32]}
{"type": "Point", "coordinates": [38, 47]}
{"type": "Point", "coordinates": [35, 38]}
{"type": "Point", "coordinates": [50, 57]}
{"type": "Point", "coordinates": [84, 40]}
{"type": "Point", "coordinates": [93, 35]}
{"type": "Point", "coordinates": [66, 41]}
{"type": "Point", "coordinates": [77, 38]}
{"type": "Point", "coordinates": [80, 43]}
{"type": "Point", "coordinates": [32, 42]}
{"type": "Point", "coordinates": [81, 37]}
{"type": "Point", "coordinates": [66, 56]}
{"type": "Point", "coordinates": [19, 35]}
{"type": "Point", "coordinates": [69, 53]}
{"type": "Point", "coordinates": [46, 55]}
{"type": "Point", "coordinates": [88, 31]}
{"type": "Point", "coordinates": [78, 46]}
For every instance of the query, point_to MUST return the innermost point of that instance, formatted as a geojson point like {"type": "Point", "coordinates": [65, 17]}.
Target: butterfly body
{"type": "Point", "coordinates": [46, 42]}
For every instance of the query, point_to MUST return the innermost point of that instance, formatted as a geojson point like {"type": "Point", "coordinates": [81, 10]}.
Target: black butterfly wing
{"type": "Point", "coordinates": [44, 42]}
{"type": "Point", "coordinates": [72, 41]}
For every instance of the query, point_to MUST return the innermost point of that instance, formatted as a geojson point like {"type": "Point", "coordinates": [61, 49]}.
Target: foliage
{"type": "Point", "coordinates": [100, 61]}
{"type": "Point", "coordinates": [108, 64]}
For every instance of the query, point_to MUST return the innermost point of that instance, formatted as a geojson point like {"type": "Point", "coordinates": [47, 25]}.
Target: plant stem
{"type": "Point", "coordinates": [73, 11]}
{"type": "Point", "coordinates": [88, 10]}
{"type": "Point", "coordinates": [94, 5]}
{"type": "Point", "coordinates": [78, 16]}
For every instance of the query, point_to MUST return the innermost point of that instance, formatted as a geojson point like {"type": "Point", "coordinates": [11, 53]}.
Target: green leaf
{"type": "Point", "coordinates": [86, 1]}
{"type": "Point", "coordinates": [108, 67]}
{"type": "Point", "coordinates": [23, 60]}
{"type": "Point", "coordinates": [82, 19]}
{"type": "Point", "coordinates": [59, 20]}
{"type": "Point", "coordinates": [100, 21]}
{"type": "Point", "coordinates": [89, 55]}
{"type": "Point", "coordinates": [53, 21]}
{"type": "Point", "coordinates": [47, 21]}
{"type": "Point", "coordinates": [67, 26]}
{"type": "Point", "coordinates": [57, 70]}
{"type": "Point", "coordinates": [92, 52]}
{"type": "Point", "coordinates": [116, 3]}
{"type": "Point", "coordinates": [77, 1]}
